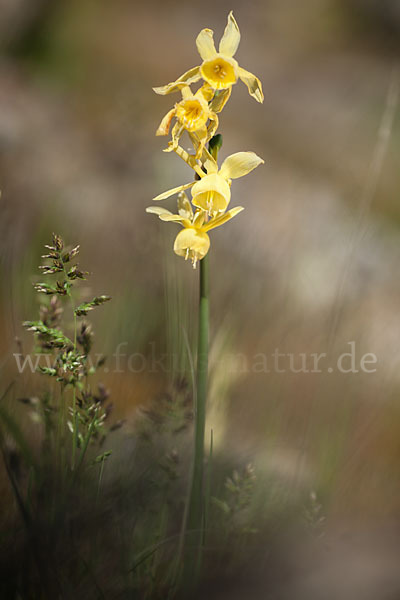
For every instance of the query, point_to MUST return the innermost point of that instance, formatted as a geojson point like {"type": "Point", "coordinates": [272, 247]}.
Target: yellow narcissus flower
{"type": "Point", "coordinates": [219, 69]}
{"type": "Point", "coordinates": [192, 114]}
{"type": "Point", "coordinates": [192, 242]}
{"type": "Point", "coordinates": [211, 192]}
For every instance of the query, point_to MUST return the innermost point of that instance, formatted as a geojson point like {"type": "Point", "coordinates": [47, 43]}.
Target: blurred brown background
{"type": "Point", "coordinates": [311, 264]}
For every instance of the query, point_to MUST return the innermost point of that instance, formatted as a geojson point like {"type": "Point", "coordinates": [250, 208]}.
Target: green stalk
{"type": "Point", "coordinates": [194, 523]}
{"type": "Point", "coordinates": [196, 496]}
{"type": "Point", "coordinates": [195, 517]}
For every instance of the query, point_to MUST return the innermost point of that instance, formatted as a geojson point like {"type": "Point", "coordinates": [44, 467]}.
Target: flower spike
{"type": "Point", "coordinates": [197, 115]}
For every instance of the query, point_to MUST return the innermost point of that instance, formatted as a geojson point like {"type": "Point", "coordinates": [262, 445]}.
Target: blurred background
{"type": "Point", "coordinates": [310, 266]}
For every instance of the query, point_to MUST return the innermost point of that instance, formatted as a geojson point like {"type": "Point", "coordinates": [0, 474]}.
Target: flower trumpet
{"type": "Point", "coordinates": [192, 114]}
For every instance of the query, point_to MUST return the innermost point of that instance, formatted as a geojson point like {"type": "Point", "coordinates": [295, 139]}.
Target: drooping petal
{"type": "Point", "coordinates": [221, 219]}
{"type": "Point", "coordinates": [187, 78]}
{"type": "Point", "coordinates": [184, 207]}
{"type": "Point", "coordinates": [253, 84]}
{"type": "Point", "coordinates": [199, 140]}
{"type": "Point", "coordinates": [173, 191]}
{"type": "Point", "coordinates": [239, 164]}
{"type": "Point", "coordinates": [230, 40]}
{"type": "Point", "coordinates": [186, 92]}
{"type": "Point", "coordinates": [175, 218]}
{"type": "Point", "coordinates": [220, 99]}
{"type": "Point", "coordinates": [163, 128]}
{"type": "Point", "coordinates": [158, 210]}
{"type": "Point", "coordinates": [199, 218]}
{"type": "Point", "coordinates": [176, 133]}
{"type": "Point", "coordinates": [213, 125]}
{"type": "Point", "coordinates": [205, 44]}
{"type": "Point", "coordinates": [211, 165]}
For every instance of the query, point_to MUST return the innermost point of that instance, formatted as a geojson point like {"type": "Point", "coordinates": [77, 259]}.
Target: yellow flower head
{"type": "Point", "coordinates": [192, 114]}
{"type": "Point", "coordinates": [193, 241]}
{"type": "Point", "coordinates": [219, 69]}
{"type": "Point", "coordinates": [193, 111]}
{"type": "Point", "coordinates": [211, 193]}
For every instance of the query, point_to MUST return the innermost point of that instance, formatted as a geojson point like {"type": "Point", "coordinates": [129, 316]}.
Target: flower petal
{"type": "Point", "coordinates": [187, 78]}
{"type": "Point", "coordinates": [230, 40]}
{"type": "Point", "coordinates": [205, 44]}
{"type": "Point", "coordinates": [220, 99]}
{"type": "Point", "coordinates": [186, 92]}
{"type": "Point", "coordinates": [199, 218]}
{"type": "Point", "coordinates": [239, 164]}
{"type": "Point", "coordinates": [206, 92]}
{"type": "Point", "coordinates": [163, 128]}
{"type": "Point", "coordinates": [173, 191]}
{"type": "Point", "coordinates": [176, 133]}
{"type": "Point", "coordinates": [221, 219]}
{"type": "Point", "coordinates": [213, 125]}
{"type": "Point", "coordinates": [175, 218]}
{"type": "Point", "coordinates": [184, 207]}
{"type": "Point", "coordinates": [158, 210]}
{"type": "Point", "coordinates": [211, 165]}
{"type": "Point", "coordinates": [199, 139]}
{"type": "Point", "coordinates": [253, 84]}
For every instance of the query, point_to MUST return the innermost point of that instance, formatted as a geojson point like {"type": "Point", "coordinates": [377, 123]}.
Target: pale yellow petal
{"type": "Point", "coordinates": [213, 125]}
{"type": "Point", "coordinates": [184, 80]}
{"type": "Point", "coordinates": [184, 207]}
{"type": "Point", "coordinates": [173, 191]}
{"type": "Point", "coordinates": [175, 218]}
{"type": "Point", "coordinates": [239, 164]}
{"type": "Point", "coordinates": [211, 165]}
{"type": "Point", "coordinates": [176, 133]}
{"type": "Point", "coordinates": [253, 84]}
{"type": "Point", "coordinates": [199, 218]}
{"type": "Point", "coordinates": [158, 210]}
{"type": "Point", "coordinates": [205, 44]}
{"type": "Point", "coordinates": [186, 92]}
{"type": "Point", "coordinates": [220, 99]}
{"type": "Point", "coordinates": [221, 219]}
{"type": "Point", "coordinates": [206, 92]}
{"type": "Point", "coordinates": [163, 128]}
{"type": "Point", "coordinates": [230, 40]}
{"type": "Point", "coordinates": [199, 140]}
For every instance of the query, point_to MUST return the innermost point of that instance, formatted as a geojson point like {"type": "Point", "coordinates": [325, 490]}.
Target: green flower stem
{"type": "Point", "coordinates": [196, 496]}
{"type": "Point", "coordinates": [195, 517]}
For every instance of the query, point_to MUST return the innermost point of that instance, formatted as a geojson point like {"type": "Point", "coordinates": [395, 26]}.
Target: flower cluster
{"type": "Point", "coordinates": [197, 115]}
